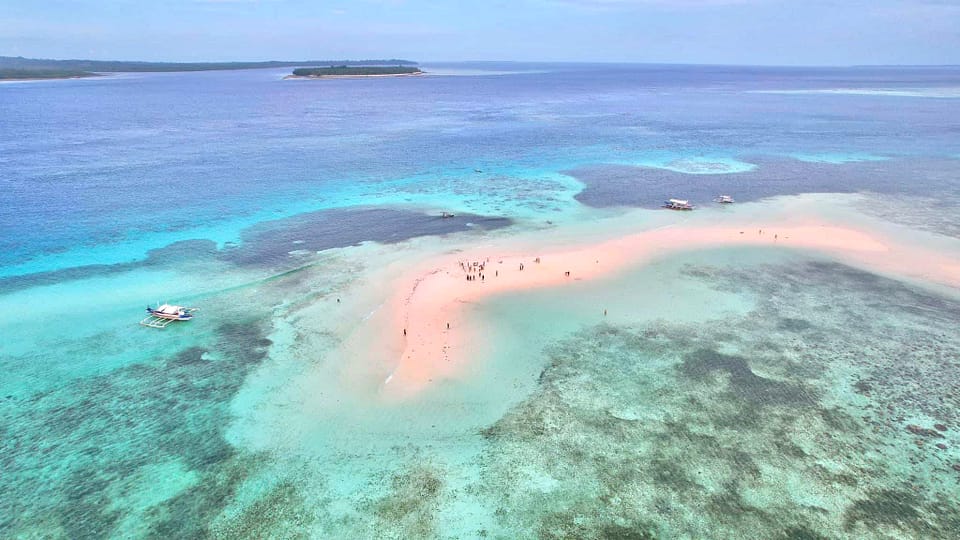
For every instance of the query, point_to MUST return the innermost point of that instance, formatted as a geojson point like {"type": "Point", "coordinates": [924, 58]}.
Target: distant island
{"type": "Point", "coordinates": [353, 71]}
{"type": "Point", "coordinates": [35, 68]}
{"type": "Point", "coordinates": [39, 74]}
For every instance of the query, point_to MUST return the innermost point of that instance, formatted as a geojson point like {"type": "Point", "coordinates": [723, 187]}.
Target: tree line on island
{"type": "Point", "coordinates": [16, 74]}
{"type": "Point", "coordinates": [343, 70]}
{"type": "Point", "coordinates": [18, 67]}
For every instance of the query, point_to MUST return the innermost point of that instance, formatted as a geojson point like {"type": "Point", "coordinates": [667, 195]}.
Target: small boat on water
{"type": "Point", "coordinates": [163, 315]}
{"type": "Point", "coordinates": [678, 204]}
{"type": "Point", "coordinates": [448, 215]}
{"type": "Point", "coordinates": [724, 199]}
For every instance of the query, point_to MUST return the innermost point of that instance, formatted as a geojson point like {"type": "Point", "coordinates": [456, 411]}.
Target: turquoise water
{"type": "Point", "coordinates": [728, 393]}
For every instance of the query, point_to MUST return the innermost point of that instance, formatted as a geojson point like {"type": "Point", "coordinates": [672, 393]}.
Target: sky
{"type": "Point", "coordinates": [756, 32]}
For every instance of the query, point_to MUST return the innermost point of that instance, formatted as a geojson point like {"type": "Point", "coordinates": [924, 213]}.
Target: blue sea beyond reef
{"type": "Point", "coordinates": [732, 393]}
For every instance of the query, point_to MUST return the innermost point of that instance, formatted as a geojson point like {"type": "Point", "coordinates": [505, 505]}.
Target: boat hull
{"type": "Point", "coordinates": [170, 316]}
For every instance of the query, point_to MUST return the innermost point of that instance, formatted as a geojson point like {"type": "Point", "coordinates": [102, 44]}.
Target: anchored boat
{"type": "Point", "coordinates": [678, 204]}
{"type": "Point", "coordinates": [724, 199]}
{"type": "Point", "coordinates": [162, 316]}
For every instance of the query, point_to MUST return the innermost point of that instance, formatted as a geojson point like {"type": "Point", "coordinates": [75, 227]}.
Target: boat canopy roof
{"type": "Point", "coordinates": [167, 308]}
{"type": "Point", "coordinates": [678, 201]}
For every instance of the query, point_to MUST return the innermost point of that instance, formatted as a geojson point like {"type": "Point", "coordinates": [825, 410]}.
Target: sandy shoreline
{"type": "Point", "coordinates": [428, 313]}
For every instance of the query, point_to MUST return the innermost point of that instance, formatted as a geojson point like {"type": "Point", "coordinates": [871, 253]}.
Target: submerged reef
{"type": "Point", "coordinates": [280, 244]}
{"type": "Point", "coordinates": [797, 421]}
{"type": "Point", "coordinates": [137, 452]}
{"type": "Point", "coordinates": [411, 504]}
{"type": "Point", "coordinates": [831, 409]}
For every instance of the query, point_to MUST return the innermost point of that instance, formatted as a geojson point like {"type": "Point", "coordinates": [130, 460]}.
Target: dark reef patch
{"type": "Point", "coordinates": [270, 243]}
{"type": "Point", "coordinates": [885, 507]}
{"type": "Point", "coordinates": [747, 385]}
{"type": "Point", "coordinates": [791, 324]}
{"type": "Point", "coordinates": [580, 522]}
{"type": "Point", "coordinates": [106, 431]}
{"type": "Point", "coordinates": [745, 426]}
{"type": "Point", "coordinates": [411, 505]}
{"type": "Point", "coordinates": [646, 187]}
{"type": "Point", "coordinates": [281, 513]}
{"type": "Point", "coordinates": [800, 533]}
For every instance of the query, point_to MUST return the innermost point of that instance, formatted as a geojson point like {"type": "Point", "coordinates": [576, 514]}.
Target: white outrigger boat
{"type": "Point", "coordinates": [678, 204]}
{"type": "Point", "coordinates": [162, 316]}
{"type": "Point", "coordinates": [724, 199]}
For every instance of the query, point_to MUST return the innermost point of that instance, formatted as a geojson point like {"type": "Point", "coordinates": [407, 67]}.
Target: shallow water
{"type": "Point", "coordinates": [791, 419]}
{"type": "Point", "coordinates": [726, 393]}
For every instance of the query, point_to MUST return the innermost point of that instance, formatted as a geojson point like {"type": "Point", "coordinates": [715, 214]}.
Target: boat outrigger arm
{"type": "Point", "coordinates": [162, 316]}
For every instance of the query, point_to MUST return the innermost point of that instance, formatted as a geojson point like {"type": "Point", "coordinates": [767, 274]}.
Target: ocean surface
{"type": "Point", "coordinates": [732, 393]}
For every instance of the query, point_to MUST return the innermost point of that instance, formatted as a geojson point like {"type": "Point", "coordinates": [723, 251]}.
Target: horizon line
{"type": "Point", "coordinates": [477, 61]}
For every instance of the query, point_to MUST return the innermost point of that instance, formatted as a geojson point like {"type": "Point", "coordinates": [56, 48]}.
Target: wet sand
{"type": "Point", "coordinates": [429, 313]}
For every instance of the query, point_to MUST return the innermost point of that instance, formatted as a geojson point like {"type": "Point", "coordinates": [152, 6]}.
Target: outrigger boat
{"type": "Point", "coordinates": [678, 204]}
{"type": "Point", "coordinates": [724, 199]}
{"type": "Point", "coordinates": [162, 316]}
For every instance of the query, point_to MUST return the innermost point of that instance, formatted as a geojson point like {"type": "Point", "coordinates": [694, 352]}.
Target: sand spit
{"type": "Point", "coordinates": [429, 313]}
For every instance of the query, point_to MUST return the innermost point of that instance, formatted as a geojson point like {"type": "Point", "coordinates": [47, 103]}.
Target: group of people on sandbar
{"type": "Point", "coordinates": [474, 269]}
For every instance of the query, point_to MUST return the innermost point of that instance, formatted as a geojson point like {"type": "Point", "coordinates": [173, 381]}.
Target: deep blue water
{"type": "Point", "coordinates": [130, 163]}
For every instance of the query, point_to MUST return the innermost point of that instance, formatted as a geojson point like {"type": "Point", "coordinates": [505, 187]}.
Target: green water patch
{"type": "Point", "coordinates": [829, 410]}
{"type": "Point", "coordinates": [138, 452]}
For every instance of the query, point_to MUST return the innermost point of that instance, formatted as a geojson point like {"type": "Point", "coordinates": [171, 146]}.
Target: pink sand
{"type": "Point", "coordinates": [436, 294]}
